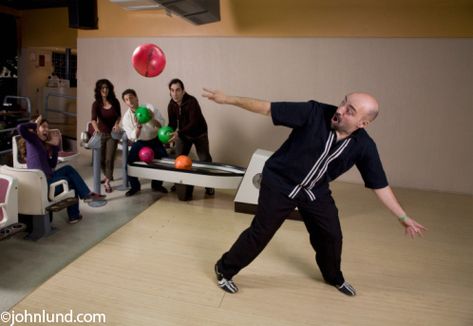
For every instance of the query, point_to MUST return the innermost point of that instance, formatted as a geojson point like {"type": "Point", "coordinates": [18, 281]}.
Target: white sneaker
{"type": "Point", "coordinates": [347, 289]}
{"type": "Point", "coordinates": [226, 285]}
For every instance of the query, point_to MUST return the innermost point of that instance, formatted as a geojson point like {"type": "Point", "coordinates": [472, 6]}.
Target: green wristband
{"type": "Point", "coordinates": [403, 218]}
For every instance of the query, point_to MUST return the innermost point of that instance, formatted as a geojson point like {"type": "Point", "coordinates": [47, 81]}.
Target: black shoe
{"type": "Point", "coordinates": [226, 285]}
{"type": "Point", "coordinates": [210, 191]}
{"type": "Point", "coordinates": [347, 289]}
{"type": "Point", "coordinates": [173, 188]}
{"type": "Point", "coordinates": [131, 192]}
{"type": "Point", "coordinates": [160, 189]}
{"type": "Point", "coordinates": [74, 220]}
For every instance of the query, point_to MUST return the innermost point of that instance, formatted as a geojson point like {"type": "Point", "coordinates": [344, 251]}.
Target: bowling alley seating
{"type": "Point", "coordinates": [9, 207]}
{"type": "Point", "coordinates": [87, 141]}
{"type": "Point", "coordinates": [8, 199]}
{"type": "Point", "coordinates": [36, 200]}
{"type": "Point", "coordinates": [90, 142]}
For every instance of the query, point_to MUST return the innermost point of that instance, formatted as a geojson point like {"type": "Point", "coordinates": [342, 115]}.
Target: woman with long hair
{"type": "Point", "coordinates": [106, 115]}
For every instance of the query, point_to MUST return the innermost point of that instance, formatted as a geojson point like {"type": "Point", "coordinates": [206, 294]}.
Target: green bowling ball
{"type": "Point", "coordinates": [165, 134]}
{"type": "Point", "coordinates": [142, 114]}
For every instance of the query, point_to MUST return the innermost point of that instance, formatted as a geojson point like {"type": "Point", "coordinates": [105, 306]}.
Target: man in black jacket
{"type": "Point", "coordinates": [186, 118]}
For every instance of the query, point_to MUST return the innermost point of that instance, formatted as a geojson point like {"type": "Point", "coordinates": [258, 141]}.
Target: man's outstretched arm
{"type": "Point", "coordinates": [387, 197]}
{"type": "Point", "coordinates": [250, 104]}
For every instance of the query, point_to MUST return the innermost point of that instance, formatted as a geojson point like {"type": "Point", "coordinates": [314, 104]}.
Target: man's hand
{"type": "Point", "coordinates": [214, 95]}
{"type": "Point", "coordinates": [386, 196]}
{"type": "Point", "coordinates": [412, 228]}
{"type": "Point", "coordinates": [173, 137]}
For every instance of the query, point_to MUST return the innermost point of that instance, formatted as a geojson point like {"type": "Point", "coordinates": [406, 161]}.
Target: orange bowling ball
{"type": "Point", "coordinates": [183, 162]}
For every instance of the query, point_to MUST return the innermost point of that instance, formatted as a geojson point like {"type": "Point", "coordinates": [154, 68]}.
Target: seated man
{"type": "Point", "coordinates": [142, 135]}
{"type": "Point", "coordinates": [42, 153]}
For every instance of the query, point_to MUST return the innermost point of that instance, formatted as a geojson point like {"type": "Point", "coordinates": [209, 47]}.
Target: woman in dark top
{"type": "Point", "coordinates": [106, 115]}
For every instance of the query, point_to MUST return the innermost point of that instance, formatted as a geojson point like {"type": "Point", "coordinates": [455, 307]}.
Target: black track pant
{"type": "Point", "coordinates": [320, 218]}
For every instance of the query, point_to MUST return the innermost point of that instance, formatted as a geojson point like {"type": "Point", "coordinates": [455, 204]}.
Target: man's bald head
{"type": "Point", "coordinates": [355, 111]}
{"type": "Point", "coordinates": [367, 103]}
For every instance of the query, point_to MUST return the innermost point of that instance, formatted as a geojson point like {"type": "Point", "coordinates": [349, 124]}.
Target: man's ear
{"type": "Point", "coordinates": [363, 123]}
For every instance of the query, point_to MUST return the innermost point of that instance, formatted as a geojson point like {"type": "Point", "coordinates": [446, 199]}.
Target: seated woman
{"type": "Point", "coordinates": [42, 153]}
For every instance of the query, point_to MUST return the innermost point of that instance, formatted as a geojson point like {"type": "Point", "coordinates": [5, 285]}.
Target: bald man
{"type": "Point", "coordinates": [325, 142]}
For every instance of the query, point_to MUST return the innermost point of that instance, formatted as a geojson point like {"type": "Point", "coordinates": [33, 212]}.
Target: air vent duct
{"type": "Point", "coordinates": [198, 12]}
{"type": "Point", "coordinates": [138, 4]}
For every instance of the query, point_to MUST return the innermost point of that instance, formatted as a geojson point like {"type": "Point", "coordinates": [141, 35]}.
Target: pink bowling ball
{"type": "Point", "coordinates": [148, 60]}
{"type": "Point", "coordinates": [146, 154]}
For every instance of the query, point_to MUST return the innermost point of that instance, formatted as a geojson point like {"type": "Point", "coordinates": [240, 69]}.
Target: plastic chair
{"type": "Point", "coordinates": [37, 199]}
{"type": "Point", "coordinates": [9, 207]}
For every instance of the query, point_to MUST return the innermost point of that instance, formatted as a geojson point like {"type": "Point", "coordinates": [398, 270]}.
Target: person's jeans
{"type": "Point", "coordinates": [133, 156]}
{"type": "Point", "coordinates": [75, 182]}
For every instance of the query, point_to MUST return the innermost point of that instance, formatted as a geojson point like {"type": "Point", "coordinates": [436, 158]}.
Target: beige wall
{"type": "Point", "coordinates": [424, 87]}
